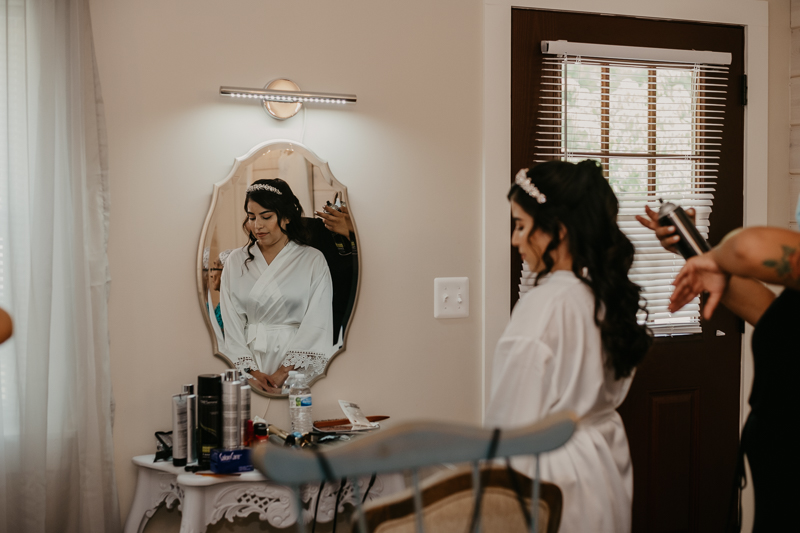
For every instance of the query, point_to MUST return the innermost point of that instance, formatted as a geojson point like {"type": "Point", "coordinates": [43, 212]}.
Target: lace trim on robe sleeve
{"type": "Point", "coordinates": [246, 361]}
{"type": "Point", "coordinates": [307, 360]}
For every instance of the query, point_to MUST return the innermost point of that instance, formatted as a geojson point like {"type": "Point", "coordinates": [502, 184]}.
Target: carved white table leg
{"type": "Point", "coordinates": [205, 500]}
{"type": "Point", "coordinates": [193, 518]}
{"type": "Point", "coordinates": [156, 484]}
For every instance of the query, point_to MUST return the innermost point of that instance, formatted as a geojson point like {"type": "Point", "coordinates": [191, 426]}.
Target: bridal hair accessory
{"type": "Point", "coordinates": [262, 187]}
{"type": "Point", "coordinates": [525, 183]}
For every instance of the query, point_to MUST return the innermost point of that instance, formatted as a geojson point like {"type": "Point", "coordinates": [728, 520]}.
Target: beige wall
{"type": "Point", "coordinates": [410, 153]}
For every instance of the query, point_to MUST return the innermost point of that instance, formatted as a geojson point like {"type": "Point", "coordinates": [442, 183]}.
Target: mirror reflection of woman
{"type": "Point", "coordinates": [573, 341]}
{"type": "Point", "coordinates": [276, 292]}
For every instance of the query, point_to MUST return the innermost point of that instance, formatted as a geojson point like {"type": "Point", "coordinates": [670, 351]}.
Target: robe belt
{"type": "Point", "coordinates": [258, 334]}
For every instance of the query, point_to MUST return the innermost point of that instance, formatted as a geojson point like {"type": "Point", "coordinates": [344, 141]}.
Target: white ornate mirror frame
{"type": "Point", "coordinates": [241, 163]}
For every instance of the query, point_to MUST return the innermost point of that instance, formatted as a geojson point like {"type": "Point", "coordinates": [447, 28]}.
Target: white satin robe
{"type": "Point", "coordinates": [278, 313]}
{"type": "Point", "coordinates": [550, 359]}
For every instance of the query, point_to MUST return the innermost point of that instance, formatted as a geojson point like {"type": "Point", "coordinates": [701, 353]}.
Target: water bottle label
{"type": "Point", "coordinates": [299, 400]}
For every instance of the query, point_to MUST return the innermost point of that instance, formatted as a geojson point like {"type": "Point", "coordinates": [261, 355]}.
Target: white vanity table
{"type": "Point", "coordinates": [206, 499]}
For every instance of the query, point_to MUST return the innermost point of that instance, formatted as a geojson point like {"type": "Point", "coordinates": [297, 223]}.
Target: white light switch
{"type": "Point", "coordinates": [450, 297]}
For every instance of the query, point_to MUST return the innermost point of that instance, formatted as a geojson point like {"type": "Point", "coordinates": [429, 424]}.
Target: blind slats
{"type": "Point", "coordinates": [656, 129]}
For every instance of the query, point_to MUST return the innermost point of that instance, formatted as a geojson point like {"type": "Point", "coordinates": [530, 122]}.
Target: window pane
{"type": "Point", "coordinates": [628, 175]}
{"type": "Point", "coordinates": [673, 176]}
{"type": "Point", "coordinates": [583, 106]}
{"type": "Point", "coordinates": [628, 109]}
{"type": "Point", "coordinates": [674, 109]}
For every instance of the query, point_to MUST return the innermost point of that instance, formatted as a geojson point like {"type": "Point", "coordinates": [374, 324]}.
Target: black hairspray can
{"type": "Point", "coordinates": [691, 243]}
{"type": "Point", "coordinates": [209, 415]}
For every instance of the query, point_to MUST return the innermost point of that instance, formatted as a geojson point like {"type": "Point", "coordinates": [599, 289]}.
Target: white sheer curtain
{"type": "Point", "coordinates": [56, 454]}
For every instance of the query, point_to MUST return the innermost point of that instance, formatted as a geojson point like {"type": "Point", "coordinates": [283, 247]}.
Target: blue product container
{"type": "Point", "coordinates": [231, 461]}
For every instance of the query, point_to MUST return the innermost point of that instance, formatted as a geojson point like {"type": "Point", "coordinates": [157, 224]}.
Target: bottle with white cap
{"type": "Point", "coordinates": [288, 383]}
{"type": "Point", "coordinates": [300, 405]}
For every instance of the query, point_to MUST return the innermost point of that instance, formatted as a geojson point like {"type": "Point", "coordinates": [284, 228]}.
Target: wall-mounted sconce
{"type": "Point", "coordinates": [283, 99]}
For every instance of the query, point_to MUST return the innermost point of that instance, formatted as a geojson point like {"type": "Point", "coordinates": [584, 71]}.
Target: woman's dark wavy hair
{"type": "Point", "coordinates": [285, 205]}
{"type": "Point", "coordinates": [580, 199]}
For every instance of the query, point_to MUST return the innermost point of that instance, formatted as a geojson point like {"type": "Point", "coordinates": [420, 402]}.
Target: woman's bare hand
{"type": "Point", "coordinates": [280, 375]}
{"type": "Point", "coordinates": [700, 274]}
{"type": "Point", "coordinates": [265, 380]}
{"type": "Point", "coordinates": [666, 234]}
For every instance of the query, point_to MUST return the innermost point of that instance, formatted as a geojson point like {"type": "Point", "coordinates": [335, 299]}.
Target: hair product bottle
{"type": "Point", "coordinates": [247, 424]}
{"type": "Point", "coordinates": [179, 430]}
{"type": "Point", "coordinates": [191, 423]}
{"type": "Point", "coordinates": [691, 243]}
{"type": "Point", "coordinates": [231, 410]}
{"type": "Point", "coordinates": [209, 415]}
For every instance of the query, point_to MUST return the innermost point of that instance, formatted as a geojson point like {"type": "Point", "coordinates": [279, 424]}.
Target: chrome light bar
{"type": "Point", "coordinates": [273, 95]}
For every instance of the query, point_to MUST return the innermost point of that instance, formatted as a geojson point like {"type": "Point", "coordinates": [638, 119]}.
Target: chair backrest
{"type": "Point", "coordinates": [448, 500]}
{"type": "Point", "coordinates": [410, 447]}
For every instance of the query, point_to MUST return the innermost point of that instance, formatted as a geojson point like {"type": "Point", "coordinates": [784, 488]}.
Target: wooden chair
{"type": "Point", "coordinates": [409, 447]}
{"type": "Point", "coordinates": [448, 501]}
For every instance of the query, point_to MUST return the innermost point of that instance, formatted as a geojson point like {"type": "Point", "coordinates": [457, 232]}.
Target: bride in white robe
{"type": "Point", "coordinates": [553, 357]}
{"type": "Point", "coordinates": [280, 312]}
{"type": "Point", "coordinates": [276, 307]}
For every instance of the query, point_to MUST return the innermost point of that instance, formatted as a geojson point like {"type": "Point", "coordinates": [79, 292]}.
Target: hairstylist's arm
{"type": "Point", "coordinates": [771, 255]}
{"type": "Point", "coordinates": [336, 221]}
{"type": "Point", "coordinates": [745, 297]}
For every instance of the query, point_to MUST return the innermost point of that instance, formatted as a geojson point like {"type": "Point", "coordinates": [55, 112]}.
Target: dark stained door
{"type": "Point", "coordinates": [682, 413]}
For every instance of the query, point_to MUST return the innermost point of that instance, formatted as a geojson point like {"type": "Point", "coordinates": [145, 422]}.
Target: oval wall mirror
{"type": "Point", "coordinates": [274, 298]}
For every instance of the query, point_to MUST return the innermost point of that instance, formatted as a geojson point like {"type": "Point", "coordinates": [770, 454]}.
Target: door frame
{"type": "Point", "coordinates": [752, 14]}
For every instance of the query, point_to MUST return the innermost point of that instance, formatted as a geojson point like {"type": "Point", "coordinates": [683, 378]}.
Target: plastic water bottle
{"type": "Point", "coordinates": [300, 405]}
{"type": "Point", "coordinates": [287, 385]}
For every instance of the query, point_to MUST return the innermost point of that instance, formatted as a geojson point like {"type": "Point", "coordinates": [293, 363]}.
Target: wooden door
{"type": "Point", "coordinates": [682, 413]}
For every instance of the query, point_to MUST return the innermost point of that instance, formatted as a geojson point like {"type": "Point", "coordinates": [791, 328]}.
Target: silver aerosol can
{"type": "Point", "coordinates": [244, 395]}
{"type": "Point", "coordinates": [691, 242]}
{"type": "Point", "coordinates": [231, 410]}
{"type": "Point", "coordinates": [179, 430]}
{"type": "Point", "coordinates": [191, 423]}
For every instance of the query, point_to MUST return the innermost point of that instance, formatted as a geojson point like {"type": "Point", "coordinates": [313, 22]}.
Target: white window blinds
{"type": "Point", "coordinates": [655, 126]}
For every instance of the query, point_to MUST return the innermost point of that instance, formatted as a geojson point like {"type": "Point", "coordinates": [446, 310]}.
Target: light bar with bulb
{"type": "Point", "coordinates": [289, 97]}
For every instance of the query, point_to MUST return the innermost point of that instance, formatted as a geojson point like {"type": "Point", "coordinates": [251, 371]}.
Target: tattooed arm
{"type": "Point", "coordinates": [771, 255]}
{"type": "Point", "coordinates": [746, 297]}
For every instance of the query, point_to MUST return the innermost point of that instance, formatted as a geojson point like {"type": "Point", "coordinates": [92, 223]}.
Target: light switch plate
{"type": "Point", "coordinates": [450, 297]}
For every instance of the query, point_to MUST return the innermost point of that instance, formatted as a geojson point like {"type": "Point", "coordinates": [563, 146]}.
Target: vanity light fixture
{"type": "Point", "coordinates": [283, 98]}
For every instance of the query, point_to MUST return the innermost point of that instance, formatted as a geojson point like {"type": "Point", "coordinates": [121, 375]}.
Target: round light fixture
{"type": "Point", "coordinates": [281, 110]}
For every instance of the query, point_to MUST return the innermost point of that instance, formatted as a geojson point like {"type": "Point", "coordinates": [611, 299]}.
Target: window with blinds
{"type": "Point", "coordinates": [655, 127]}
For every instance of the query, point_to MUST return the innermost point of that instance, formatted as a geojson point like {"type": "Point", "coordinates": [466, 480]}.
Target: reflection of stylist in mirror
{"type": "Point", "coordinates": [341, 257]}
{"type": "Point", "coordinates": [276, 292]}
{"type": "Point", "coordinates": [336, 218]}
